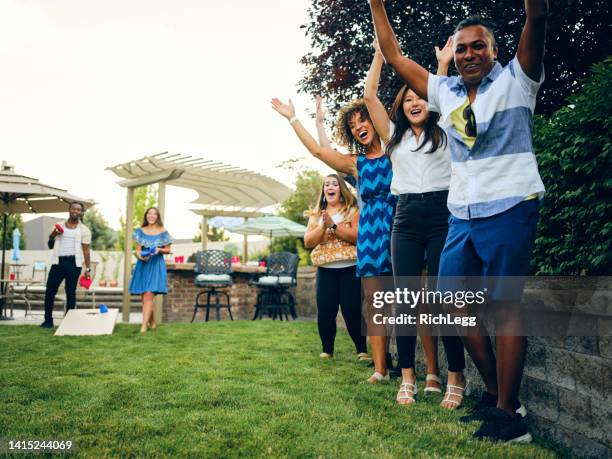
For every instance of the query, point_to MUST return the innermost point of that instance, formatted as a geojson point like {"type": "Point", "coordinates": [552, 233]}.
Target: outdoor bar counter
{"type": "Point", "coordinates": [182, 291]}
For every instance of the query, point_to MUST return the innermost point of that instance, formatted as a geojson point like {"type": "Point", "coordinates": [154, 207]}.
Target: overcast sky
{"type": "Point", "coordinates": [88, 84]}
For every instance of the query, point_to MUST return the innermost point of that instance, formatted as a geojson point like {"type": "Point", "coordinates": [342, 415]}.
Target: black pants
{"type": "Point", "coordinates": [420, 227]}
{"type": "Point", "coordinates": [66, 269]}
{"type": "Point", "coordinates": [339, 287]}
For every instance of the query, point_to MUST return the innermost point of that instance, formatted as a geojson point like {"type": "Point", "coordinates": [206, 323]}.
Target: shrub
{"type": "Point", "coordinates": [574, 151]}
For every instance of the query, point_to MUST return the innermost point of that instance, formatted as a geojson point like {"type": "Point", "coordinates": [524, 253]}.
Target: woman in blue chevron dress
{"type": "Point", "coordinates": [371, 166]}
{"type": "Point", "coordinates": [376, 217]}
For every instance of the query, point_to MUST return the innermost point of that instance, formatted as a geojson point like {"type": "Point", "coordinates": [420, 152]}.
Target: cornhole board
{"type": "Point", "coordinates": [88, 322]}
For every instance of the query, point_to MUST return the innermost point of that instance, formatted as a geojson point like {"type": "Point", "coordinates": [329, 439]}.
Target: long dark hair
{"type": "Point", "coordinates": [431, 129]}
{"type": "Point", "coordinates": [158, 222]}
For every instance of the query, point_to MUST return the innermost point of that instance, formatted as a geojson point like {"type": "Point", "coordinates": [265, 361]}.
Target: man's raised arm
{"type": "Point", "coordinates": [412, 73]}
{"type": "Point", "coordinates": [531, 45]}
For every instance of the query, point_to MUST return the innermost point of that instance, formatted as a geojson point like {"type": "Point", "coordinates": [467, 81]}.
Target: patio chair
{"type": "Point", "coordinates": [274, 297]}
{"type": "Point", "coordinates": [13, 293]}
{"type": "Point", "coordinates": [39, 272]}
{"type": "Point", "coordinates": [212, 272]}
{"type": "Point", "coordinates": [21, 288]}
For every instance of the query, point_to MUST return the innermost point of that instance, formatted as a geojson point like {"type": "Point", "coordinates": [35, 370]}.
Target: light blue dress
{"type": "Point", "coordinates": [150, 275]}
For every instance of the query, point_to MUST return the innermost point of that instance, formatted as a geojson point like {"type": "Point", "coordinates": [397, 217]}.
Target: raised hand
{"type": "Point", "coordinates": [376, 47]}
{"type": "Point", "coordinates": [286, 110]}
{"type": "Point", "coordinates": [445, 55]}
{"type": "Point", "coordinates": [377, 52]}
{"type": "Point", "coordinates": [320, 110]}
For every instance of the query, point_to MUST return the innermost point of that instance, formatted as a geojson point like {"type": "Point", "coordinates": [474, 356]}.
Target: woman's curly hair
{"type": "Point", "coordinates": [343, 135]}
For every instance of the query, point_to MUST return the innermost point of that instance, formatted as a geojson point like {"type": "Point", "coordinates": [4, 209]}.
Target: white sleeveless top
{"type": "Point", "coordinates": [418, 171]}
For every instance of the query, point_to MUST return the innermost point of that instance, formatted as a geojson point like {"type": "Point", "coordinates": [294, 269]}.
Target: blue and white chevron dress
{"type": "Point", "coordinates": [376, 216]}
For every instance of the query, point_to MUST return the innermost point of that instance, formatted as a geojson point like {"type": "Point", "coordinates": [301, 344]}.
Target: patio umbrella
{"type": "Point", "coordinates": [225, 222]}
{"type": "Point", "coordinates": [271, 226]}
{"type": "Point", "coordinates": [20, 194]}
{"type": "Point", "coordinates": [16, 237]}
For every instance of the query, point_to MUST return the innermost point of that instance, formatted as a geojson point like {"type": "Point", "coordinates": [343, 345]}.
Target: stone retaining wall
{"type": "Point", "coordinates": [567, 385]}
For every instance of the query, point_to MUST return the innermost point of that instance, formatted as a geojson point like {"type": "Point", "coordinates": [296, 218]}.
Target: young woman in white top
{"type": "Point", "coordinates": [332, 232]}
{"type": "Point", "coordinates": [421, 164]}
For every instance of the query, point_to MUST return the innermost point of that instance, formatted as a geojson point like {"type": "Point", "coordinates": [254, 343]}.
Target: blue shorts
{"type": "Point", "coordinates": [497, 248]}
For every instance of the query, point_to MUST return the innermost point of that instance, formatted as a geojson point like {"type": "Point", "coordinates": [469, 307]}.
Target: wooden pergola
{"type": "Point", "coordinates": [223, 190]}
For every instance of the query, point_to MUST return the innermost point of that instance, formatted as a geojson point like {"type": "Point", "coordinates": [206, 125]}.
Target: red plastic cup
{"type": "Point", "coordinates": [177, 259]}
{"type": "Point", "coordinates": [181, 259]}
{"type": "Point", "coordinates": [262, 264]}
{"type": "Point", "coordinates": [85, 282]}
{"type": "Point", "coordinates": [12, 276]}
{"type": "Point", "coordinates": [59, 228]}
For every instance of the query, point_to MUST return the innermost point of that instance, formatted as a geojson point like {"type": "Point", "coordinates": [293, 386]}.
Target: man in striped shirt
{"type": "Point", "coordinates": [495, 188]}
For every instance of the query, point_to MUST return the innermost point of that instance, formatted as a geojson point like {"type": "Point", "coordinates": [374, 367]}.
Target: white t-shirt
{"type": "Point", "coordinates": [418, 171]}
{"type": "Point", "coordinates": [82, 235]}
{"type": "Point", "coordinates": [67, 242]}
{"type": "Point", "coordinates": [337, 218]}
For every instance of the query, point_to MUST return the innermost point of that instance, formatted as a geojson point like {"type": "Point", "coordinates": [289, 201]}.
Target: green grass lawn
{"type": "Point", "coordinates": [222, 389]}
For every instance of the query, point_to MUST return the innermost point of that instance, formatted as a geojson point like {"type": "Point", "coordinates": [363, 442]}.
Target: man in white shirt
{"type": "Point", "coordinates": [70, 244]}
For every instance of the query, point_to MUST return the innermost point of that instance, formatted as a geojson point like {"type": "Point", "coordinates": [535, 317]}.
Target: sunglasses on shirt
{"type": "Point", "coordinates": [470, 125]}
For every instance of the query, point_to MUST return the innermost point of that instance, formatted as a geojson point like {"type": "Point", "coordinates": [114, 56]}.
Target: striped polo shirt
{"type": "Point", "coordinates": [497, 170]}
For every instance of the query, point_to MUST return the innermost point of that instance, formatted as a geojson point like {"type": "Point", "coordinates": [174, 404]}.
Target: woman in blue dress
{"type": "Point", "coordinates": [368, 163]}
{"type": "Point", "coordinates": [149, 277]}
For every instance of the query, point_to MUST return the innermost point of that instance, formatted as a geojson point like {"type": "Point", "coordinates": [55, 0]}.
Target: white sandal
{"type": "Point", "coordinates": [456, 391]}
{"type": "Point", "coordinates": [407, 391]}
{"type": "Point", "coordinates": [364, 357]}
{"type": "Point", "coordinates": [432, 377]}
{"type": "Point", "coordinates": [378, 378]}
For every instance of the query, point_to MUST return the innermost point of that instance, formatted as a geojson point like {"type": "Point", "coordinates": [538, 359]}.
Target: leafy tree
{"type": "Point", "coordinates": [12, 222]}
{"type": "Point", "coordinates": [341, 33]}
{"type": "Point", "coordinates": [574, 150]}
{"type": "Point", "coordinates": [103, 237]}
{"type": "Point", "coordinates": [231, 248]}
{"type": "Point", "coordinates": [284, 244]}
{"type": "Point", "coordinates": [144, 197]}
{"type": "Point", "coordinates": [293, 245]}
{"type": "Point", "coordinates": [214, 234]}
{"type": "Point", "coordinates": [307, 189]}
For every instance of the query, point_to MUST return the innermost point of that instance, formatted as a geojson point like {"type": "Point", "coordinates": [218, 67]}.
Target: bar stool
{"type": "Point", "coordinates": [212, 273]}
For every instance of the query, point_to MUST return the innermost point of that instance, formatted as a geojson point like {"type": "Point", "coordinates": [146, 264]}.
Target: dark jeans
{"type": "Point", "coordinates": [339, 287]}
{"type": "Point", "coordinates": [420, 227]}
{"type": "Point", "coordinates": [66, 269]}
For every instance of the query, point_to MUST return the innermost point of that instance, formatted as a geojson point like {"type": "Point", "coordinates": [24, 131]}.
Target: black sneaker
{"type": "Point", "coordinates": [482, 411]}
{"type": "Point", "coordinates": [502, 427]}
{"type": "Point", "coordinates": [47, 324]}
{"type": "Point", "coordinates": [475, 414]}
